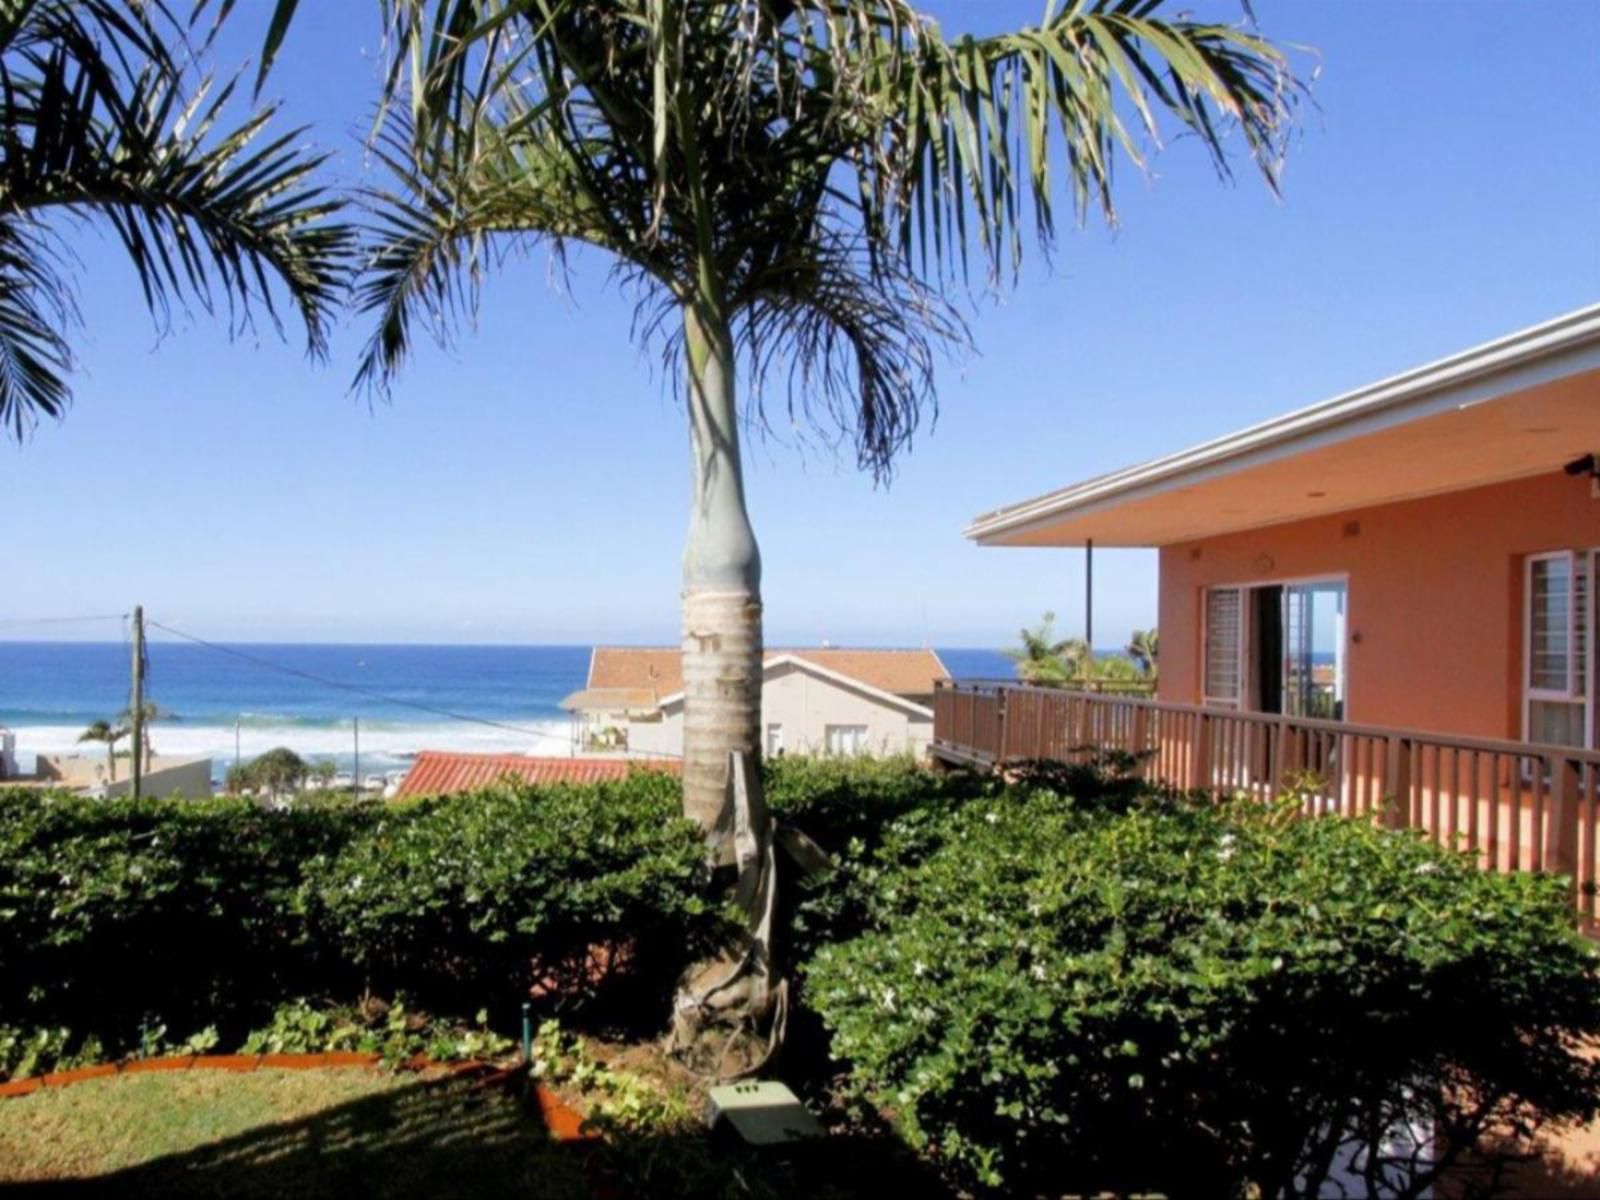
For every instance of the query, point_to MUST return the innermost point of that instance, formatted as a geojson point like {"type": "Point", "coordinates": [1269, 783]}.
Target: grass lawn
{"type": "Point", "coordinates": [350, 1133]}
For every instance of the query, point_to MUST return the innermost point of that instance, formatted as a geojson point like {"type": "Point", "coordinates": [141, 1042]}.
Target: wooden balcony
{"type": "Point", "coordinates": [1514, 805]}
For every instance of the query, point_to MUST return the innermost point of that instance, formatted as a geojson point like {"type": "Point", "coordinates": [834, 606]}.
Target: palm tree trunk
{"type": "Point", "coordinates": [721, 587]}
{"type": "Point", "coordinates": [111, 760]}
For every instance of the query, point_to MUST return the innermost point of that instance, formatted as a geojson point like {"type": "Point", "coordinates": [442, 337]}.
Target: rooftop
{"type": "Point", "coordinates": [442, 772]}
{"type": "Point", "coordinates": [1524, 404]}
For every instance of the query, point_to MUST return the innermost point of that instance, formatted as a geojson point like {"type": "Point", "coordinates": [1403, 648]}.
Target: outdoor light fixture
{"type": "Point", "coordinates": [762, 1113]}
{"type": "Point", "coordinates": [1588, 465]}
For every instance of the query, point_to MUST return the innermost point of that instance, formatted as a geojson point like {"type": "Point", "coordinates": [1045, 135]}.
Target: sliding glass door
{"type": "Point", "coordinates": [1277, 648]}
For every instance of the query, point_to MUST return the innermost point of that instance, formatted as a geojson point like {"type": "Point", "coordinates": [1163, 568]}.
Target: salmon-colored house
{"type": "Point", "coordinates": [1420, 553]}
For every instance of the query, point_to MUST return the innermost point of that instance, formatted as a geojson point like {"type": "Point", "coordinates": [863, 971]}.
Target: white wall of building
{"type": "Point", "coordinates": [797, 707]}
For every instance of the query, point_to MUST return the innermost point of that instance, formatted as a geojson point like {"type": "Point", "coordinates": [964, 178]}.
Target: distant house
{"type": "Point", "coordinates": [443, 773]}
{"type": "Point", "coordinates": [822, 701]}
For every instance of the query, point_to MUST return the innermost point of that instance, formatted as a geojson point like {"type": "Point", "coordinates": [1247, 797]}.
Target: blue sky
{"type": "Point", "coordinates": [532, 486]}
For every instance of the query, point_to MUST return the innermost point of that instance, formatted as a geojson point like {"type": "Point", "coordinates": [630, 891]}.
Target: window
{"type": "Point", "coordinates": [1558, 691]}
{"type": "Point", "coordinates": [1224, 646]}
{"type": "Point", "coordinates": [774, 739]}
{"type": "Point", "coordinates": [845, 739]}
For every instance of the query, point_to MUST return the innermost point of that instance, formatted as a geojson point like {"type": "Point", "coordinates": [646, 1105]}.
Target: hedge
{"type": "Point", "coordinates": [462, 899]}
{"type": "Point", "coordinates": [1195, 1001]}
{"type": "Point", "coordinates": [117, 917]}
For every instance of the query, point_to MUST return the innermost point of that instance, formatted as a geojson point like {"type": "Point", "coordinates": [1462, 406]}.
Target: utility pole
{"type": "Point", "coordinates": [355, 776]}
{"type": "Point", "coordinates": [137, 709]}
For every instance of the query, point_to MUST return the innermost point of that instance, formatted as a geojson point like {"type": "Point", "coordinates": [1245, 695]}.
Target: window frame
{"type": "Point", "coordinates": [859, 746]}
{"type": "Point", "coordinates": [1247, 651]}
{"type": "Point", "coordinates": [1585, 565]}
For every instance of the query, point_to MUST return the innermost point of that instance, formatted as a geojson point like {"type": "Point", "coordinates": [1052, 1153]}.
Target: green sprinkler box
{"type": "Point", "coordinates": [762, 1114]}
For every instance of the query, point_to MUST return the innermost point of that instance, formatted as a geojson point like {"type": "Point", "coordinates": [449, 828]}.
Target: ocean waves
{"type": "Point", "coordinates": [385, 745]}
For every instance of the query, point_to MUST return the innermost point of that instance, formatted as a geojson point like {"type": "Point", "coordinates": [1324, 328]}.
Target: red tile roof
{"type": "Point", "coordinates": [902, 672]}
{"type": "Point", "coordinates": [441, 772]}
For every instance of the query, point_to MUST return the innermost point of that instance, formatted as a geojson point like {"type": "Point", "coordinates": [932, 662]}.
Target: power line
{"type": "Point", "coordinates": [21, 622]}
{"type": "Point", "coordinates": [357, 689]}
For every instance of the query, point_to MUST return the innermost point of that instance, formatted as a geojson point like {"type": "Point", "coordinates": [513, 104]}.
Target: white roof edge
{"type": "Point", "coordinates": [850, 681]}
{"type": "Point", "coordinates": [1373, 405]}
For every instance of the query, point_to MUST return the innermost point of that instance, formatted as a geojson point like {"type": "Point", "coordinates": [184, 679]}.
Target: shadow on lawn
{"type": "Point", "coordinates": [447, 1138]}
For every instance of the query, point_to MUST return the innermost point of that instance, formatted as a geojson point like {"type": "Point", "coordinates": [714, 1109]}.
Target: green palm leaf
{"type": "Point", "coordinates": [99, 118]}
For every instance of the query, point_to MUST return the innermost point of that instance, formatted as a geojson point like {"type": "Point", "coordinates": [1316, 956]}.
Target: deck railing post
{"type": "Point", "coordinates": [1201, 752]}
{"type": "Point", "coordinates": [1136, 736]}
{"type": "Point", "coordinates": [1561, 830]}
{"type": "Point", "coordinates": [1397, 782]}
{"type": "Point", "coordinates": [1000, 695]}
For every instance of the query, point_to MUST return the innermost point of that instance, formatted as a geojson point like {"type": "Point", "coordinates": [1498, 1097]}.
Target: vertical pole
{"type": "Point", "coordinates": [1088, 597]}
{"type": "Point", "coordinates": [355, 775]}
{"type": "Point", "coordinates": [236, 757]}
{"type": "Point", "coordinates": [137, 707]}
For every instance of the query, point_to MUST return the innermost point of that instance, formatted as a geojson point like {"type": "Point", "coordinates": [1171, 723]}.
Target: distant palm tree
{"type": "Point", "coordinates": [102, 117]}
{"type": "Point", "coordinates": [104, 731]}
{"type": "Point", "coordinates": [1044, 660]}
{"type": "Point", "coordinates": [1144, 647]}
{"type": "Point", "coordinates": [149, 713]}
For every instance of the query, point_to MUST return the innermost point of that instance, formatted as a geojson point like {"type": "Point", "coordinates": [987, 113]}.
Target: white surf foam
{"type": "Point", "coordinates": [383, 746]}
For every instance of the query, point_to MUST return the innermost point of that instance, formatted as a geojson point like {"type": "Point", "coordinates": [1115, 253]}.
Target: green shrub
{"type": "Point", "coordinates": [469, 900]}
{"type": "Point", "coordinates": [1201, 1002]}
{"type": "Point", "coordinates": [117, 915]}
{"type": "Point", "coordinates": [117, 918]}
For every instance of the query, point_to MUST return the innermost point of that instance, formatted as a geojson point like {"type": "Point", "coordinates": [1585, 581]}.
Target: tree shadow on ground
{"type": "Point", "coordinates": [445, 1138]}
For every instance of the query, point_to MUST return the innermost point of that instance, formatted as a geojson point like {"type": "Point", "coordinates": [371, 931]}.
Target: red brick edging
{"type": "Point", "coordinates": [564, 1124]}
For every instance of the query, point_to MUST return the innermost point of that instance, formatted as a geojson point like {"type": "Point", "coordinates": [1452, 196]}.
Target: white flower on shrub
{"type": "Point", "coordinates": [992, 817]}
{"type": "Point", "coordinates": [1226, 847]}
{"type": "Point", "coordinates": [919, 968]}
{"type": "Point", "coordinates": [887, 1001]}
{"type": "Point", "coordinates": [1427, 868]}
{"type": "Point", "coordinates": [1039, 973]}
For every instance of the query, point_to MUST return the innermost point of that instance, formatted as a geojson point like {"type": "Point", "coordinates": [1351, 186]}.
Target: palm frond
{"type": "Point", "coordinates": [98, 118]}
{"type": "Point", "coordinates": [853, 348]}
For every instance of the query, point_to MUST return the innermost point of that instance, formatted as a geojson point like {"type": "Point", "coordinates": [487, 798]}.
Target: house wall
{"type": "Point", "coordinates": [167, 776]}
{"type": "Point", "coordinates": [804, 705]}
{"type": "Point", "coordinates": [1434, 613]}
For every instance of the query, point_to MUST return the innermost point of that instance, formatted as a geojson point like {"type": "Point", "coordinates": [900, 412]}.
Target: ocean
{"type": "Point", "coordinates": [308, 697]}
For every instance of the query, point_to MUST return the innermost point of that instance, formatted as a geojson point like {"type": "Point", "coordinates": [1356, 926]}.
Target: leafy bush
{"type": "Point", "coordinates": [117, 915]}
{"type": "Point", "coordinates": [468, 900]}
{"type": "Point", "coordinates": [1199, 1001]}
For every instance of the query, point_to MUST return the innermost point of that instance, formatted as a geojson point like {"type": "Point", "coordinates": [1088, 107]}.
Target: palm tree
{"type": "Point", "coordinates": [1042, 659]}
{"type": "Point", "coordinates": [103, 116]}
{"type": "Point", "coordinates": [1144, 648]}
{"type": "Point", "coordinates": [149, 713]}
{"type": "Point", "coordinates": [789, 187]}
{"type": "Point", "coordinates": [104, 731]}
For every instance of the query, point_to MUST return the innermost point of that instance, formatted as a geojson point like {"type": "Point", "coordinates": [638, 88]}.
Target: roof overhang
{"type": "Point", "coordinates": [1523, 405]}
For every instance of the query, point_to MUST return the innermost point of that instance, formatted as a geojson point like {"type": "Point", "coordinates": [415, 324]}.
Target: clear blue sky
{"type": "Point", "coordinates": [533, 486]}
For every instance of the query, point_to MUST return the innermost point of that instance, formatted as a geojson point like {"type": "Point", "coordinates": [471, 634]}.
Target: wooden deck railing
{"type": "Point", "coordinates": [1514, 805]}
